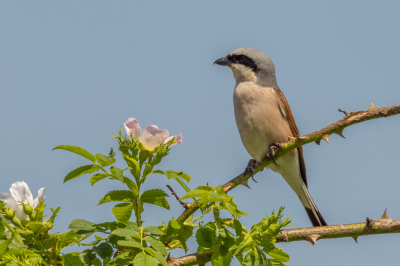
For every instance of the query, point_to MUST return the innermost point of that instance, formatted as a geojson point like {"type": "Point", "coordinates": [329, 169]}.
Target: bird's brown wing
{"type": "Point", "coordinates": [287, 114]}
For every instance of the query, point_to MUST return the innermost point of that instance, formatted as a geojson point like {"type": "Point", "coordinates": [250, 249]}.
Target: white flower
{"type": "Point", "coordinates": [20, 193]}
{"type": "Point", "coordinates": [152, 136]}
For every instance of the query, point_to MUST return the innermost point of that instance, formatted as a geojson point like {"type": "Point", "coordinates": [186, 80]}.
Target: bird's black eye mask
{"type": "Point", "coordinates": [243, 60]}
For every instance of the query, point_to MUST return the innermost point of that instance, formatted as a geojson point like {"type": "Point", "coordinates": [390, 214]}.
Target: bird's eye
{"type": "Point", "coordinates": [242, 58]}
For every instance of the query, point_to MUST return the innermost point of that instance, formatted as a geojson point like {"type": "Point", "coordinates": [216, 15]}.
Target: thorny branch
{"type": "Point", "coordinates": [384, 225]}
{"type": "Point", "coordinates": [293, 143]}
{"type": "Point", "coordinates": [177, 198]}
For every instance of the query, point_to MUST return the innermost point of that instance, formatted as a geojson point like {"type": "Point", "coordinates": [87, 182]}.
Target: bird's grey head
{"type": "Point", "coordinates": [249, 64]}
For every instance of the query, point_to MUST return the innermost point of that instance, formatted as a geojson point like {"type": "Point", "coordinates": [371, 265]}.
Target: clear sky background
{"type": "Point", "coordinates": [72, 72]}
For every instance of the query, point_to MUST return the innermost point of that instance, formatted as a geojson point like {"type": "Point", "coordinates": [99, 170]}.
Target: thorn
{"type": "Point", "coordinates": [300, 138]}
{"type": "Point", "coordinates": [344, 112]}
{"type": "Point", "coordinates": [355, 238]}
{"type": "Point", "coordinates": [385, 217]}
{"type": "Point", "coordinates": [169, 258]}
{"type": "Point", "coordinates": [340, 133]}
{"type": "Point", "coordinates": [245, 183]}
{"type": "Point", "coordinates": [291, 138]}
{"type": "Point", "coordinates": [372, 107]}
{"type": "Point", "coordinates": [326, 138]}
{"type": "Point", "coordinates": [318, 142]}
{"type": "Point", "coordinates": [312, 239]}
{"type": "Point", "coordinates": [369, 222]}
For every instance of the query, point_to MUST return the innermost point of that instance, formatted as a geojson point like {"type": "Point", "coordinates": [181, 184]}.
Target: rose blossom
{"type": "Point", "coordinates": [152, 136]}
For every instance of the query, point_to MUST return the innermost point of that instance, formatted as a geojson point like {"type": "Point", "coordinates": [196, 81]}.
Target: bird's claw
{"type": "Point", "coordinates": [250, 169]}
{"type": "Point", "coordinates": [272, 149]}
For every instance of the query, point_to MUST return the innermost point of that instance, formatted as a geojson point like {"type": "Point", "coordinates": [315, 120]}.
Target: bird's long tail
{"type": "Point", "coordinates": [311, 209]}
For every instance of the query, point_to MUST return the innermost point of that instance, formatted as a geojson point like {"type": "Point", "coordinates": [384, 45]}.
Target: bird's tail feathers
{"type": "Point", "coordinates": [312, 210]}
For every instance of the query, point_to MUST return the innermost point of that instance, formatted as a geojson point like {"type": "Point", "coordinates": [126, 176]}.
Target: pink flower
{"type": "Point", "coordinates": [152, 136]}
{"type": "Point", "coordinates": [21, 192]}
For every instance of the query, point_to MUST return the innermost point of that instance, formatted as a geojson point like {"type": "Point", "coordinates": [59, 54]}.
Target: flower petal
{"type": "Point", "coordinates": [8, 200]}
{"type": "Point", "coordinates": [39, 197]}
{"type": "Point", "coordinates": [21, 192]}
{"type": "Point", "coordinates": [132, 126]}
{"type": "Point", "coordinates": [178, 139]}
{"type": "Point", "coordinates": [152, 137]}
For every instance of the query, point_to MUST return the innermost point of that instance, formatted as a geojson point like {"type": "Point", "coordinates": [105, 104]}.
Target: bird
{"type": "Point", "coordinates": [264, 119]}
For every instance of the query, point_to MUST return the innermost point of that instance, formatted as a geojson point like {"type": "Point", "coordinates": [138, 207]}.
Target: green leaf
{"type": "Point", "coordinates": [4, 246]}
{"type": "Point", "coordinates": [132, 186]}
{"type": "Point", "coordinates": [279, 254]}
{"type": "Point", "coordinates": [134, 165]}
{"type": "Point", "coordinates": [117, 195]}
{"type": "Point", "coordinates": [133, 225]}
{"type": "Point", "coordinates": [38, 228]}
{"type": "Point", "coordinates": [173, 174]}
{"type": "Point", "coordinates": [123, 212]}
{"type": "Point", "coordinates": [97, 177]}
{"type": "Point", "coordinates": [247, 241]}
{"type": "Point", "coordinates": [205, 237]}
{"type": "Point", "coordinates": [71, 259]}
{"type": "Point", "coordinates": [81, 226]}
{"type": "Point", "coordinates": [87, 169]}
{"type": "Point", "coordinates": [129, 243]}
{"type": "Point", "coordinates": [104, 250]}
{"type": "Point", "coordinates": [77, 150]}
{"type": "Point", "coordinates": [153, 230]}
{"type": "Point", "coordinates": [144, 260]}
{"type": "Point", "coordinates": [238, 227]}
{"type": "Point", "coordinates": [157, 245]}
{"type": "Point", "coordinates": [156, 197]}
{"type": "Point", "coordinates": [157, 255]}
{"type": "Point", "coordinates": [2, 227]}
{"type": "Point", "coordinates": [195, 193]}
{"type": "Point", "coordinates": [125, 232]}
{"type": "Point", "coordinates": [117, 173]}
{"type": "Point", "coordinates": [220, 257]}
{"type": "Point", "coordinates": [147, 170]}
{"type": "Point", "coordinates": [105, 160]}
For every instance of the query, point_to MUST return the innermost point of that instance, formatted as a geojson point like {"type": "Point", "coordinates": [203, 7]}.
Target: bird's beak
{"type": "Point", "coordinates": [222, 61]}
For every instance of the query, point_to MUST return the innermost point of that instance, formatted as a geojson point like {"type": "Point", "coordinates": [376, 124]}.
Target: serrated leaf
{"type": "Point", "coordinates": [195, 193]}
{"type": "Point", "coordinates": [71, 259]}
{"type": "Point", "coordinates": [4, 246]}
{"type": "Point", "coordinates": [247, 241]}
{"type": "Point", "coordinates": [104, 250]}
{"type": "Point", "coordinates": [134, 165]}
{"type": "Point", "coordinates": [118, 173]}
{"type": "Point", "coordinates": [220, 257]}
{"type": "Point", "coordinates": [76, 150]}
{"type": "Point", "coordinates": [97, 177]}
{"type": "Point", "coordinates": [122, 212]}
{"type": "Point", "coordinates": [129, 243]}
{"type": "Point", "coordinates": [38, 228]}
{"type": "Point", "coordinates": [205, 237]}
{"type": "Point", "coordinates": [279, 254]}
{"type": "Point", "coordinates": [87, 169]}
{"type": "Point", "coordinates": [132, 186]}
{"type": "Point", "coordinates": [125, 232]}
{"type": "Point", "coordinates": [117, 195]}
{"type": "Point", "coordinates": [238, 227]}
{"type": "Point", "coordinates": [153, 230]}
{"type": "Point", "coordinates": [157, 255]}
{"type": "Point", "coordinates": [105, 160]}
{"type": "Point", "coordinates": [133, 225]}
{"type": "Point", "coordinates": [81, 226]}
{"type": "Point", "coordinates": [144, 260]}
{"type": "Point", "coordinates": [156, 197]}
{"type": "Point", "coordinates": [157, 245]}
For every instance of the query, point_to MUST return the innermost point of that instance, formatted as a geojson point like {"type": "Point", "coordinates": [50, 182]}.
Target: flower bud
{"type": "Point", "coordinates": [32, 217]}
{"type": "Point", "coordinates": [9, 213]}
{"type": "Point", "coordinates": [28, 209]}
{"type": "Point", "coordinates": [15, 221]}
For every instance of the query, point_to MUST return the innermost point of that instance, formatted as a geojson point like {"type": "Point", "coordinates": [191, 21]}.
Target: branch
{"type": "Point", "coordinates": [384, 225]}
{"type": "Point", "coordinates": [295, 142]}
{"type": "Point", "coordinates": [176, 196]}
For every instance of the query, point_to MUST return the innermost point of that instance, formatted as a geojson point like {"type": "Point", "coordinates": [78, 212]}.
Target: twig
{"type": "Point", "coordinates": [293, 143]}
{"type": "Point", "coordinates": [177, 198]}
{"type": "Point", "coordinates": [384, 225]}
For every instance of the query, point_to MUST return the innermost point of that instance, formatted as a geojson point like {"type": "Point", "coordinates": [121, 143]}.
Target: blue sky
{"type": "Point", "coordinates": [72, 72]}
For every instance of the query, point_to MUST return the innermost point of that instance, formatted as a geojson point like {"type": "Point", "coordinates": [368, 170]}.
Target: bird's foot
{"type": "Point", "coordinates": [272, 149]}
{"type": "Point", "coordinates": [250, 169]}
